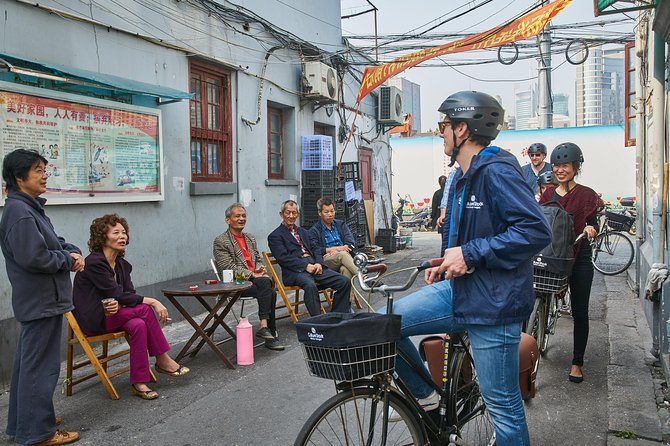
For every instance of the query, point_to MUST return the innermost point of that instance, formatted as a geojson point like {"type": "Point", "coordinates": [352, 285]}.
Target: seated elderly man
{"type": "Point", "coordinates": [334, 239]}
{"type": "Point", "coordinates": [303, 265]}
{"type": "Point", "coordinates": [236, 250]}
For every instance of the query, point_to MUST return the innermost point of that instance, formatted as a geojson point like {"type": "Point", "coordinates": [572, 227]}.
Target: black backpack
{"type": "Point", "coordinates": [559, 255]}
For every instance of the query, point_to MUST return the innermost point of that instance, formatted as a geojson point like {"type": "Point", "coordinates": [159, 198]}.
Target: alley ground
{"type": "Point", "coordinates": [267, 403]}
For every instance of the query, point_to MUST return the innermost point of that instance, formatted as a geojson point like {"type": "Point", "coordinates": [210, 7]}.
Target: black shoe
{"type": "Point", "coordinates": [575, 379]}
{"type": "Point", "coordinates": [274, 344]}
{"type": "Point", "coordinates": [265, 333]}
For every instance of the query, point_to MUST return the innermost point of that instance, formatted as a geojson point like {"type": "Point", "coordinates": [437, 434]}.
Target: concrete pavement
{"type": "Point", "coordinates": [267, 403]}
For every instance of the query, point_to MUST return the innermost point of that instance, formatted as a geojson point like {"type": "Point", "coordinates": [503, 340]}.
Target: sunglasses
{"type": "Point", "coordinates": [441, 125]}
{"type": "Point", "coordinates": [535, 154]}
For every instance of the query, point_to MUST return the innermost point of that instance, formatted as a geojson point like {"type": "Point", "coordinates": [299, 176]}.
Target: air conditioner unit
{"type": "Point", "coordinates": [390, 106]}
{"type": "Point", "coordinates": [319, 81]}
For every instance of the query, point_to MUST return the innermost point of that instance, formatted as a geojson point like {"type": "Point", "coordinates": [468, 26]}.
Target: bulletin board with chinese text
{"type": "Point", "coordinates": [96, 150]}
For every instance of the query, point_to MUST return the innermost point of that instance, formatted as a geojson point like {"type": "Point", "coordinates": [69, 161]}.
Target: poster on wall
{"type": "Point", "coordinates": [97, 151]}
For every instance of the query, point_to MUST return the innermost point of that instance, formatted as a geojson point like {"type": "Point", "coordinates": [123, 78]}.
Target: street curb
{"type": "Point", "coordinates": [631, 397]}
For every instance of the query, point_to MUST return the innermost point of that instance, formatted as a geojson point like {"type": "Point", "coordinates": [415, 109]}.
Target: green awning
{"type": "Point", "coordinates": [604, 7]}
{"type": "Point", "coordinates": [78, 76]}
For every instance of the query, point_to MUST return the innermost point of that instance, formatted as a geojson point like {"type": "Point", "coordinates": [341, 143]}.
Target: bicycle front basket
{"type": "Point", "coordinates": [619, 222]}
{"type": "Point", "coordinates": [346, 347]}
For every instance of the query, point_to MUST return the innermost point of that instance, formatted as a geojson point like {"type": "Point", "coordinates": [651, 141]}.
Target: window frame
{"type": "Point", "coordinates": [205, 135]}
{"type": "Point", "coordinates": [282, 152]}
{"type": "Point", "coordinates": [629, 140]}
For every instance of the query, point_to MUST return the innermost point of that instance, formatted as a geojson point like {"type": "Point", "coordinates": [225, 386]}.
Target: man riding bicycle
{"type": "Point", "coordinates": [494, 227]}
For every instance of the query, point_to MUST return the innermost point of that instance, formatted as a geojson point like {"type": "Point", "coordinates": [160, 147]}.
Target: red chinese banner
{"type": "Point", "coordinates": [522, 28]}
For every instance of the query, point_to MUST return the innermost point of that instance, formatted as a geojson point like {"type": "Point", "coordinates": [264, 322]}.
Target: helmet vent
{"type": "Point", "coordinates": [478, 116]}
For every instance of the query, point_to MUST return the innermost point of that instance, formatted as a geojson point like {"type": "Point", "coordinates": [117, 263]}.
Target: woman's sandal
{"type": "Point", "coordinates": [181, 371]}
{"type": "Point", "coordinates": [145, 395]}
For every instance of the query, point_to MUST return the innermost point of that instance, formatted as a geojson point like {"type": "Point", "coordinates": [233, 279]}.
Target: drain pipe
{"type": "Point", "coordinates": [657, 155]}
{"type": "Point", "coordinates": [658, 148]}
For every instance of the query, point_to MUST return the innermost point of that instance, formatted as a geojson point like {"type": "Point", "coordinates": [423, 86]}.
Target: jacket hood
{"type": "Point", "coordinates": [491, 155]}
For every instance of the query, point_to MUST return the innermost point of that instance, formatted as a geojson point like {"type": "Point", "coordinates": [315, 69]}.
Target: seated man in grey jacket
{"type": "Point", "coordinates": [334, 239]}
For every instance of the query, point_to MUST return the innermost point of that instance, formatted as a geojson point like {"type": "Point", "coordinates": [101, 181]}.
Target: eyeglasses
{"type": "Point", "coordinates": [441, 125]}
{"type": "Point", "coordinates": [535, 154]}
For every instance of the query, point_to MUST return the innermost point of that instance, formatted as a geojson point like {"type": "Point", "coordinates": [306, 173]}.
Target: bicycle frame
{"type": "Point", "coordinates": [447, 429]}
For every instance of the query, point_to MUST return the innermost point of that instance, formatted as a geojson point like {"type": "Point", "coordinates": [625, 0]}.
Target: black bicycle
{"type": "Point", "coordinates": [613, 251]}
{"type": "Point", "coordinates": [373, 406]}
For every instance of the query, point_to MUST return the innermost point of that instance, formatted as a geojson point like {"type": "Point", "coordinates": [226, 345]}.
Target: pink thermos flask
{"type": "Point", "coordinates": [245, 342]}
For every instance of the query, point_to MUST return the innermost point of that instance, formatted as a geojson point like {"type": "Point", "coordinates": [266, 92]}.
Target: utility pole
{"type": "Point", "coordinates": [545, 112]}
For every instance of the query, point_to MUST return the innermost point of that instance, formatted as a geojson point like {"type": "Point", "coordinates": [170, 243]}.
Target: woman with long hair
{"type": "Point", "coordinates": [584, 204]}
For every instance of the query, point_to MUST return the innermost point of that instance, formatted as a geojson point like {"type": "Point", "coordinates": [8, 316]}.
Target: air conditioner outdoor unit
{"type": "Point", "coordinates": [390, 106]}
{"type": "Point", "coordinates": [320, 81]}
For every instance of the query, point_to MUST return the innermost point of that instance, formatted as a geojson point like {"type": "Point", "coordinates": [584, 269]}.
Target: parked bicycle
{"type": "Point", "coordinates": [549, 290]}
{"type": "Point", "coordinates": [373, 406]}
{"type": "Point", "coordinates": [613, 251]}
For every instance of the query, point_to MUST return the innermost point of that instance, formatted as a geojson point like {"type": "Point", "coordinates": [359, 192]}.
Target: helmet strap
{"type": "Point", "coordinates": [457, 148]}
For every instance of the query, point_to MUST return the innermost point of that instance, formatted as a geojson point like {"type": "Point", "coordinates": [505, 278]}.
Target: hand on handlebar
{"type": "Point", "coordinates": [453, 265]}
{"type": "Point", "coordinates": [590, 232]}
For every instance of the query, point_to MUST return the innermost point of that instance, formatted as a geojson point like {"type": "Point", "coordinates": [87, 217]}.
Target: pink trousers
{"type": "Point", "coordinates": [145, 334]}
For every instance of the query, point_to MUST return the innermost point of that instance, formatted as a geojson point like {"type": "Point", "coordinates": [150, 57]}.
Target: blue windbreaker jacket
{"type": "Point", "coordinates": [494, 218]}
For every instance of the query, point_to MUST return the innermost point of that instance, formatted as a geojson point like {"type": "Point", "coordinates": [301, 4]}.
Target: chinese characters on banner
{"type": "Point", "coordinates": [90, 149]}
{"type": "Point", "coordinates": [520, 29]}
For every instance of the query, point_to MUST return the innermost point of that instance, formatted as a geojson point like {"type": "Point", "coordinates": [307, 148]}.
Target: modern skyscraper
{"type": "Point", "coordinates": [561, 104]}
{"type": "Point", "coordinates": [525, 106]}
{"type": "Point", "coordinates": [599, 91]}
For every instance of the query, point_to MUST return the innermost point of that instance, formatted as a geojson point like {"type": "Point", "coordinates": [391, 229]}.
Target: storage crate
{"type": "Point", "coordinates": [385, 232]}
{"type": "Point", "coordinates": [360, 240]}
{"type": "Point", "coordinates": [349, 171]}
{"type": "Point", "coordinates": [318, 178]}
{"type": "Point", "coordinates": [317, 152]}
{"type": "Point", "coordinates": [310, 195]}
{"type": "Point", "coordinates": [388, 244]}
{"type": "Point", "coordinates": [619, 222]}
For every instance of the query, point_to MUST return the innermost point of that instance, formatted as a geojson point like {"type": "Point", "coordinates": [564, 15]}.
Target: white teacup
{"type": "Point", "coordinates": [227, 275]}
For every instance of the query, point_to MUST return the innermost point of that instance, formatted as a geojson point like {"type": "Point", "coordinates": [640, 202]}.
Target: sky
{"type": "Point", "coordinates": [397, 17]}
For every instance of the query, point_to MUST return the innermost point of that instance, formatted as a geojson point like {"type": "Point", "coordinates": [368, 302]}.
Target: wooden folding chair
{"type": "Point", "coordinates": [99, 362]}
{"type": "Point", "coordinates": [292, 306]}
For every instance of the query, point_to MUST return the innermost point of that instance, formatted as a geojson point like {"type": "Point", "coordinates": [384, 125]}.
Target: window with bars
{"type": "Point", "coordinates": [211, 135]}
{"type": "Point", "coordinates": [275, 143]}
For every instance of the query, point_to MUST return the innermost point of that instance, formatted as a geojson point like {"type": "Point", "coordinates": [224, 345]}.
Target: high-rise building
{"type": "Point", "coordinates": [411, 99]}
{"type": "Point", "coordinates": [561, 104]}
{"type": "Point", "coordinates": [599, 92]}
{"type": "Point", "coordinates": [525, 106]}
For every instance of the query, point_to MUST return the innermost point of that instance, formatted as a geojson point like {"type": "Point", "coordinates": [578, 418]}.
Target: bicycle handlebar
{"type": "Point", "coordinates": [361, 261]}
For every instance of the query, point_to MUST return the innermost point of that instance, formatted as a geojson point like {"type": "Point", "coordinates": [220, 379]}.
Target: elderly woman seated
{"type": "Point", "coordinates": [105, 301]}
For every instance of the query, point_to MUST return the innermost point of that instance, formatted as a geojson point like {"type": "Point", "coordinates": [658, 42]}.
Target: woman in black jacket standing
{"type": "Point", "coordinates": [38, 265]}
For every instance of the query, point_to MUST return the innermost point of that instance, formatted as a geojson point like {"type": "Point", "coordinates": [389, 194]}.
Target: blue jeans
{"type": "Point", "coordinates": [495, 350]}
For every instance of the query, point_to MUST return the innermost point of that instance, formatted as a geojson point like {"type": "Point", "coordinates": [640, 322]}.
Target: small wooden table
{"type": "Point", "coordinates": [227, 293]}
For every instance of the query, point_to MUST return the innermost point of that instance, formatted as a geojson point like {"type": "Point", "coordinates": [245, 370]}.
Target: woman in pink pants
{"type": "Point", "coordinates": [105, 301]}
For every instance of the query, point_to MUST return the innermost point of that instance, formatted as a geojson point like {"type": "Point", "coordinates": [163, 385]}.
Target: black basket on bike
{"type": "Point", "coordinates": [347, 346]}
{"type": "Point", "coordinates": [547, 282]}
{"type": "Point", "coordinates": [619, 222]}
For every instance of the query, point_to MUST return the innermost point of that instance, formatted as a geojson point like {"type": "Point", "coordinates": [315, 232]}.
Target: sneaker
{"type": "Point", "coordinates": [265, 333]}
{"type": "Point", "coordinates": [60, 437]}
{"type": "Point", "coordinates": [431, 402]}
{"type": "Point", "coordinates": [274, 344]}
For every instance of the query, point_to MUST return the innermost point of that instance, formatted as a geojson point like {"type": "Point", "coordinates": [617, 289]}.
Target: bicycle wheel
{"type": "Point", "coordinates": [550, 314]}
{"type": "Point", "coordinates": [466, 409]}
{"type": "Point", "coordinates": [612, 253]}
{"type": "Point", "coordinates": [537, 322]}
{"type": "Point", "coordinates": [355, 417]}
